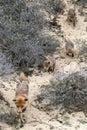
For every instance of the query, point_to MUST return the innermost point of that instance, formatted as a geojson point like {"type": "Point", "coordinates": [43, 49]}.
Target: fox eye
{"type": "Point", "coordinates": [26, 99]}
{"type": "Point", "coordinates": [14, 100]}
{"type": "Point", "coordinates": [22, 106]}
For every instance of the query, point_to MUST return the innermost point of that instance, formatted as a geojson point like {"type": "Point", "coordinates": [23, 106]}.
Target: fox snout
{"type": "Point", "coordinates": [19, 110]}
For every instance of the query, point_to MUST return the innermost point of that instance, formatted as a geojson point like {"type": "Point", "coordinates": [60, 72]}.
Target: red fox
{"type": "Point", "coordinates": [71, 17]}
{"type": "Point", "coordinates": [49, 64]}
{"type": "Point", "coordinates": [69, 46]}
{"type": "Point", "coordinates": [21, 96]}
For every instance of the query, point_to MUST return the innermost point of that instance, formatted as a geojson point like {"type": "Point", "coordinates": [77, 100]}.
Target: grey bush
{"type": "Point", "coordinates": [83, 52]}
{"type": "Point", "coordinates": [81, 1]}
{"type": "Point", "coordinates": [6, 114]}
{"type": "Point", "coordinates": [13, 8]}
{"type": "Point", "coordinates": [20, 33]}
{"type": "Point", "coordinates": [57, 5]}
{"type": "Point", "coordinates": [26, 55]}
{"type": "Point", "coordinates": [71, 93]}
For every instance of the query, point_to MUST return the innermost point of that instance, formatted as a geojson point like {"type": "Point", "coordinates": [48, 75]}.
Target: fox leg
{"type": "Point", "coordinates": [21, 120]}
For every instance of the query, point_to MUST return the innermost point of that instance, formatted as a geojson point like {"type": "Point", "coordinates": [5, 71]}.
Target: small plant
{"type": "Point", "coordinates": [82, 121]}
{"type": "Point", "coordinates": [58, 5]}
{"type": "Point", "coordinates": [14, 121]}
{"type": "Point", "coordinates": [83, 52]}
{"type": "Point", "coordinates": [67, 123]}
{"type": "Point", "coordinates": [66, 117]}
{"type": "Point", "coordinates": [62, 57]}
{"type": "Point", "coordinates": [78, 126]}
{"type": "Point", "coordinates": [26, 70]}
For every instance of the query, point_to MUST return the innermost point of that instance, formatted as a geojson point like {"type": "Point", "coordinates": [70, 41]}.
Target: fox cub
{"type": "Point", "coordinates": [69, 46]}
{"type": "Point", "coordinates": [21, 96]}
{"type": "Point", "coordinates": [49, 64]}
{"type": "Point", "coordinates": [71, 17]}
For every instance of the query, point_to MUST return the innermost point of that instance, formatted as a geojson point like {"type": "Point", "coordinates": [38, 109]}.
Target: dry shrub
{"type": "Point", "coordinates": [71, 93]}
{"type": "Point", "coordinates": [58, 6]}
{"type": "Point", "coordinates": [83, 52]}
{"type": "Point", "coordinates": [21, 27]}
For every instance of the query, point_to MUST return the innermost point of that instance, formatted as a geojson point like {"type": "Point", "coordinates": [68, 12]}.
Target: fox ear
{"type": "Point", "coordinates": [14, 100]}
{"type": "Point", "coordinates": [26, 99]}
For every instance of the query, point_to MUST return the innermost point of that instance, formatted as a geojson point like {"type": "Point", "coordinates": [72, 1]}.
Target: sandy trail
{"type": "Point", "coordinates": [78, 32]}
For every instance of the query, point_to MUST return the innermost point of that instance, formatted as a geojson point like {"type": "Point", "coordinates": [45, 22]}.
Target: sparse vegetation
{"type": "Point", "coordinates": [11, 119]}
{"type": "Point", "coordinates": [6, 114]}
{"type": "Point", "coordinates": [81, 1]}
{"type": "Point", "coordinates": [67, 123]}
{"type": "Point", "coordinates": [58, 6]}
{"type": "Point", "coordinates": [70, 92]}
{"type": "Point", "coordinates": [66, 117]}
{"type": "Point", "coordinates": [83, 52]}
{"type": "Point", "coordinates": [78, 126]}
{"type": "Point", "coordinates": [82, 121]}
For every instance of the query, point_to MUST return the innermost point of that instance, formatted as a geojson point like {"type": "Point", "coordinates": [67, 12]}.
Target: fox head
{"type": "Point", "coordinates": [21, 103]}
{"type": "Point", "coordinates": [46, 64]}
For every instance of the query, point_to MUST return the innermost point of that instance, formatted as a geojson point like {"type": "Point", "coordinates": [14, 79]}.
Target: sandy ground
{"type": "Point", "coordinates": [77, 32]}
{"type": "Point", "coordinates": [39, 120]}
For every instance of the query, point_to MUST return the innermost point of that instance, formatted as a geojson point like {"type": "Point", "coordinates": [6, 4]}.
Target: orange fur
{"type": "Point", "coordinates": [46, 64]}
{"type": "Point", "coordinates": [20, 102]}
{"type": "Point", "coordinates": [21, 97]}
{"type": "Point", "coordinates": [49, 64]}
